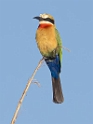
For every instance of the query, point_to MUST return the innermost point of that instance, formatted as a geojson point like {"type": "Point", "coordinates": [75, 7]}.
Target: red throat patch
{"type": "Point", "coordinates": [44, 25]}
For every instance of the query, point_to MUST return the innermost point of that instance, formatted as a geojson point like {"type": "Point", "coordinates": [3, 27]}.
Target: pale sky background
{"type": "Point", "coordinates": [19, 57]}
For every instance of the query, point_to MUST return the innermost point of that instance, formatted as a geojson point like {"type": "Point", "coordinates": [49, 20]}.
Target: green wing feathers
{"type": "Point", "coordinates": [59, 45]}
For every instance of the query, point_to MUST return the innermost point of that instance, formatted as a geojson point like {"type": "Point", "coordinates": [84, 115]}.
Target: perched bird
{"type": "Point", "coordinates": [50, 46]}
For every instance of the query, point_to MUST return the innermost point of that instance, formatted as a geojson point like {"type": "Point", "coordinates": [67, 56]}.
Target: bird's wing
{"type": "Point", "coordinates": [59, 45]}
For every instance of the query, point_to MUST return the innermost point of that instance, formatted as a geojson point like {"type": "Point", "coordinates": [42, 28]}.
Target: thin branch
{"type": "Point", "coordinates": [27, 87]}
{"type": "Point", "coordinates": [25, 91]}
{"type": "Point", "coordinates": [36, 82]}
{"type": "Point", "coordinates": [66, 48]}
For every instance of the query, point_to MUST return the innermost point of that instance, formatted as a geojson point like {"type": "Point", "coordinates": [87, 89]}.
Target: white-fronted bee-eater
{"type": "Point", "coordinates": [50, 45]}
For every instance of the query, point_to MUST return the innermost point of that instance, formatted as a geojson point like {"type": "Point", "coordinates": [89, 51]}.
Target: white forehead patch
{"type": "Point", "coordinates": [44, 15]}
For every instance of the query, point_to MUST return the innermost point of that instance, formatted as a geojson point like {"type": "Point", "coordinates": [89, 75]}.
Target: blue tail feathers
{"type": "Point", "coordinates": [54, 66]}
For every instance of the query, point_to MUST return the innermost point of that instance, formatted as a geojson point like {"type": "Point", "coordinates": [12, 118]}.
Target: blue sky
{"type": "Point", "coordinates": [19, 57]}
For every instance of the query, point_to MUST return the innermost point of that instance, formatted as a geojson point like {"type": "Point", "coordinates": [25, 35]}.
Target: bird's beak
{"type": "Point", "coordinates": [38, 18]}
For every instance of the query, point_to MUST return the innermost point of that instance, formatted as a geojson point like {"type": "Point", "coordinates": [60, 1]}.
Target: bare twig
{"type": "Point", "coordinates": [66, 48]}
{"type": "Point", "coordinates": [36, 82]}
{"type": "Point", "coordinates": [27, 86]}
{"type": "Point", "coordinates": [25, 91]}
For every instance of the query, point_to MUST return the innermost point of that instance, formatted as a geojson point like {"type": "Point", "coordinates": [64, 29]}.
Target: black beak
{"type": "Point", "coordinates": [38, 18]}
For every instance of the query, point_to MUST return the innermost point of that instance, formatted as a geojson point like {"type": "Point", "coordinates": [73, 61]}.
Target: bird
{"type": "Point", "coordinates": [50, 46]}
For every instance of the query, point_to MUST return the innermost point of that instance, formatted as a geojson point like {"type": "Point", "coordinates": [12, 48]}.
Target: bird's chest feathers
{"type": "Point", "coordinates": [46, 38]}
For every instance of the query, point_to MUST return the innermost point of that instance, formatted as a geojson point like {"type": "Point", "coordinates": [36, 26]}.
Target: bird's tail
{"type": "Point", "coordinates": [55, 67]}
{"type": "Point", "coordinates": [57, 90]}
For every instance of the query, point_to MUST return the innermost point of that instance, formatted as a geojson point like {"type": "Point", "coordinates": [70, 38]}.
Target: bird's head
{"type": "Point", "coordinates": [45, 19]}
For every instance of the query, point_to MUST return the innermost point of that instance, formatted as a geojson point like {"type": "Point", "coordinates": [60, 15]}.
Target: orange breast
{"type": "Point", "coordinates": [46, 39]}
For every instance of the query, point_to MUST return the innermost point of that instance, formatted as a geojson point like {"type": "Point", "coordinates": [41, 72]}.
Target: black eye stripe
{"type": "Point", "coordinates": [48, 19]}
